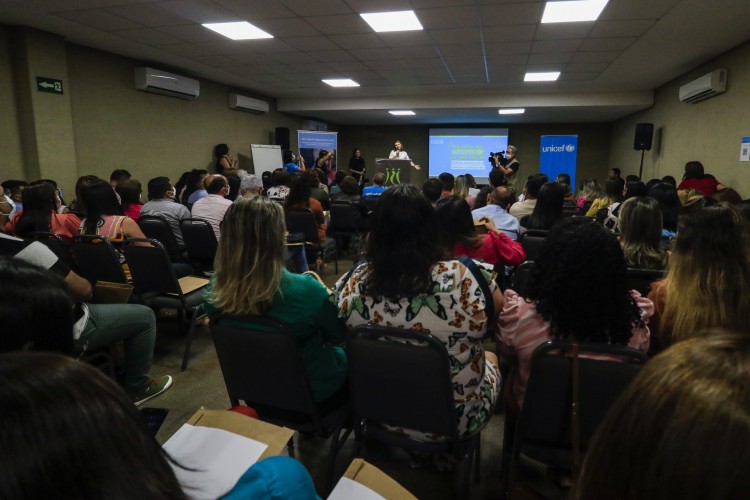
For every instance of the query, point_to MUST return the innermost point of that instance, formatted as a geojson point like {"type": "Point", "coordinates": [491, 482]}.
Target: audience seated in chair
{"type": "Point", "coordinates": [213, 207]}
{"type": "Point", "coordinates": [104, 215]}
{"type": "Point", "coordinates": [458, 233]}
{"type": "Point", "coordinates": [497, 203]}
{"type": "Point", "coordinates": [547, 209]}
{"type": "Point", "coordinates": [530, 192]}
{"type": "Point", "coordinates": [377, 188]}
{"type": "Point", "coordinates": [708, 277]}
{"type": "Point", "coordinates": [162, 204]}
{"type": "Point", "coordinates": [130, 192]}
{"type": "Point", "coordinates": [299, 197]}
{"type": "Point", "coordinates": [680, 430]}
{"type": "Point", "coordinates": [640, 233]}
{"type": "Point", "coordinates": [40, 204]}
{"type": "Point", "coordinates": [613, 193]}
{"type": "Point", "coordinates": [405, 283]}
{"type": "Point", "coordinates": [250, 280]}
{"type": "Point", "coordinates": [577, 290]}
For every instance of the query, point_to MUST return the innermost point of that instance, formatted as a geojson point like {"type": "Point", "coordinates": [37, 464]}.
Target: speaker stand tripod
{"type": "Point", "coordinates": [640, 170]}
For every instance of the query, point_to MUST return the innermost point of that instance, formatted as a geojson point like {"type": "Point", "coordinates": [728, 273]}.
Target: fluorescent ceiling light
{"type": "Point", "coordinates": [341, 82]}
{"type": "Point", "coordinates": [549, 76]}
{"type": "Point", "coordinates": [403, 20]}
{"type": "Point", "coordinates": [573, 11]}
{"type": "Point", "coordinates": [402, 113]}
{"type": "Point", "coordinates": [238, 31]}
{"type": "Point", "coordinates": [511, 111]}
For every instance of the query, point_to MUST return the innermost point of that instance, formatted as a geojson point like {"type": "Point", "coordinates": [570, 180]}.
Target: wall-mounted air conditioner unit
{"type": "Point", "coordinates": [314, 125]}
{"type": "Point", "coordinates": [244, 103]}
{"type": "Point", "coordinates": [162, 82]}
{"type": "Point", "coordinates": [709, 85]}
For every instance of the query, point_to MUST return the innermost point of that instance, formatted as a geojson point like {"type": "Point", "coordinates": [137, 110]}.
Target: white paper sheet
{"type": "Point", "coordinates": [219, 458]}
{"type": "Point", "coordinates": [346, 489]}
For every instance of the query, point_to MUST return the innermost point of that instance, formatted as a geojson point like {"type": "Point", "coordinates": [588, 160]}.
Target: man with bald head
{"type": "Point", "coordinates": [213, 207]}
{"type": "Point", "coordinates": [498, 202]}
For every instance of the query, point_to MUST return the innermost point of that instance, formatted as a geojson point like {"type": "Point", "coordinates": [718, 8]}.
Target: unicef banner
{"type": "Point", "coordinates": [558, 156]}
{"type": "Point", "coordinates": [312, 143]}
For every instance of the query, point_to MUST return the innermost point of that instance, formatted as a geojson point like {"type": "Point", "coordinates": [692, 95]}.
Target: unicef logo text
{"type": "Point", "coordinates": [568, 148]}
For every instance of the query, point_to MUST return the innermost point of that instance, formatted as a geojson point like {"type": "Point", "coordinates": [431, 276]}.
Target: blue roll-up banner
{"type": "Point", "coordinates": [558, 155]}
{"type": "Point", "coordinates": [310, 145]}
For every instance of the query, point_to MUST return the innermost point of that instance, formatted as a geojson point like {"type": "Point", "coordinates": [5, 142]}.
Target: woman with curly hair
{"type": "Point", "coordinates": [578, 291]}
{"type": "Point", "coordinates": [708, 276]}
{"type": "Point", "coordinates": [408, 283]}
{"type": "Point", "coordinates": [459, 235]}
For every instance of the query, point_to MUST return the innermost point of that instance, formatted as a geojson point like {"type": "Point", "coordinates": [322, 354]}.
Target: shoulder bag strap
{"type": "Point", "coordinates": [490, 303]}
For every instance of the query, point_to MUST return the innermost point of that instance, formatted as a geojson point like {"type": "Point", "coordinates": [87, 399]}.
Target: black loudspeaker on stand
{"type": "Point", "coordinates": [644, 134]}
{"type": "Point", "coordinates": [282, 138]}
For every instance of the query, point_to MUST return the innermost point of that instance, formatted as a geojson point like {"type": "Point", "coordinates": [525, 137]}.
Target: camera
{"type": "Point", "coordinates": [491, 158]}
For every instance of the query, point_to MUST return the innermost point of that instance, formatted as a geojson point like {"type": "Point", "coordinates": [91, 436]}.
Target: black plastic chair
{"type": "Point", "coordinates": [641, 279]}
{"type": "Point", "coordinates": [521, 277]}
{"type": "Point", "coordinates": [403, 379]}
{"type": "Point", "coordinates": [157, 286]}
{"type": "Point", "coordinates": [97, 259]}
{"type": "Point", "coordinates": [347, 221]}
{"type": "Point", "coordinates": [543, 431]}
{"type": "Point", "coordinates": [57, 244]}
{"type": "Point", "coordinates": [532, 241]}
{"type": "Point", "coordinates": [200, 243]}
{"type": "Point", "coordinates": [263, 367]}
{"type": "Point", "coordinates": [157, 228]}
{"type": "Point", "coordinates": [302, 220]}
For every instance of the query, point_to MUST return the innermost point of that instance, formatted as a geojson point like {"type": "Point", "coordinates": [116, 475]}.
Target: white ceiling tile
{"type": "Point", "coordinates": [510, 32]}
{"type": "Point", "coordinates": [312, 43]}
{"type": "Point", "coordinates": [148, 36]}
{"type": "Point", "coordinates": [148, 15]}
{"type": "Point", "coordinates": [577, 77]}
{"type": "Point", "coordinates": [290, 57]}
{"type": "Point", "coordinates": [638, 9]}
{"type": "Point", "coordinates": [426, 63]}
{"type": "Point", "coordinates": [586, 57]}
{"type": "Point", "coordinates": [99, 19]}
{"type": "Point", "coordinates": [508, 59]}
{"type": "Point", "coordinates": [342, 24]}
{"type": "Point", "coordinates": [363, 41]}
{"type": "Point", "coordinates": [293, 26]}
{"type": "Point", "coordinates": [551, 58]}
{"type": "Point", "coordinates": [383, 53]}
{"type": "Point", "coordinates": [190, 33]}
{"type": "Point", "coordinates": [454, 35]}
{"type": "Point", "coordinates": [460, 50]}
{"type": "Point", "coordinates": [448, 17]}
{"type": "Point", "coordinates": [502, 48]}
{"type": "Point", "coordinates": [380, 6]}
{"type": "Point", "coordinates": [635, 27]}
{"type": "Point", "coordinates": [216, 61]}
{"type": "Point", "coordinates": [316, 8]}
{"type": "Point", "coordinates": [562, 31]}
{"type": "Point", "coordinates": [544, 68]}
{"type": "Point", "coordinates": [406, 39]}
{"type": "Point", "coordinates": [186, 49]}
{"type": "Point", "coordinates": [386, 65]}
{"type": "Point", "coordinates": [462, 62]}
{"type": "Point", "coordinates": [429, 4]}
{"type": "Point", "coordinates": [606, 44]}
{"type": "Point", "coordinates": [267, 45]}
{"type": "Point", "coordinates": [348, 66]}
{"type": "Point", "coordinates": [331, 55]}
{"type": "Point", "coordinates": [585, 67]}
{"type": "Point", "coordinates": [256, 10]}
{"type": "Point", "coordinates": [200, 11]}
{"type": "Point", "coordinates": [552, 46]}
{"type": "Point", "coordinates": [514, 13]}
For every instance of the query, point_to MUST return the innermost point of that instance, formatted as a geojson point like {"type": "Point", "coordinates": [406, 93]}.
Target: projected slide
{"type": "Point", "coordinates": [464, 150]}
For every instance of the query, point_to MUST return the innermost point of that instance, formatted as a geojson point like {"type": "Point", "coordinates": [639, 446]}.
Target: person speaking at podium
{"type": "Point", "coordinates": [398, 153]}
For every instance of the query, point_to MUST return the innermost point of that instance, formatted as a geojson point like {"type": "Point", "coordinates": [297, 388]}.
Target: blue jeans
{"type": "Point", "coordinates": [296, 255]}
{"type": "Point", "coordinates": [136, 326]}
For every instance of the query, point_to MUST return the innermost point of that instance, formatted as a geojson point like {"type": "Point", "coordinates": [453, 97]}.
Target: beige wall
{"type": "Point", "coordinates": [11, 165]}
{"type": "Point", "coordinates": [117, 126]}
{"type": "Point", "coordinates": [593, 145]}
{"type": "Point", "coordinates": [708, 131]}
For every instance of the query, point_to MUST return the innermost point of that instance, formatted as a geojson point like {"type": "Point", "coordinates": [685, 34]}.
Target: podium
{"type": "Point", "coordinates": [396, 171]}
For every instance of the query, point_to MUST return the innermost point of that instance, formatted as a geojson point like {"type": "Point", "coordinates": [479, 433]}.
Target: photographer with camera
{"type": "Point", "coordinates": [508, 165]}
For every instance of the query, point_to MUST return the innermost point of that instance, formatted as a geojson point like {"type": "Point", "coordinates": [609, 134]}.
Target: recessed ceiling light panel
{"type": "Point", "coordinates": [404, 20]}
{"type": "Point", "coordinates": [341, 82]}
{"type": "Point", "coordinates": [573, 11]}
{"type": "Point", "coordinates": [402, 112]}
{"type": "Point", "coordinates": [238, 31]}
{"type": "Point", "coordinates": [549, 76]}
{"type": "Point", "coordinates": [511, 111]}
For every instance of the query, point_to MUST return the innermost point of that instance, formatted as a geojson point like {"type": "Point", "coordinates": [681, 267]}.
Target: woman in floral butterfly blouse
{"type": "Point", "coordinates": [405, 283]}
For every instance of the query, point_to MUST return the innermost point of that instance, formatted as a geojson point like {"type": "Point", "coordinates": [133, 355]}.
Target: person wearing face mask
{"type": "Point", "coordinates": [162, 204]}
{"type": "Point", "coordinates": [398, 153]}
{"type": "Point", "coordinates": [509, 166]}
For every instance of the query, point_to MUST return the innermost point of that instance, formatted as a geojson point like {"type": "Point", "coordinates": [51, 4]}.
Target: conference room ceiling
{"type": "Point", "coordinates": [469, 60]}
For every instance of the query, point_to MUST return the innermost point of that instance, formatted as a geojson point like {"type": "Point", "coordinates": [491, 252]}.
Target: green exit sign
{"type": "Point", "coordinates": [51, 85]}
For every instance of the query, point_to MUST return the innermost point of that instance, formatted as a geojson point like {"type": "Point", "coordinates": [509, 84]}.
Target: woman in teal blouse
{"type": "Point", "coordinates": [251, 280]}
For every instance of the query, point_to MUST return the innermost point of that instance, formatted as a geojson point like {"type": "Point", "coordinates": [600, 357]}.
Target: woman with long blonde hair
{"type": "Point", "coordinates": [708, 276]}
{"type": "Point", "coordinates": [251, 280]}
{"type": "Point", "coordinates": [640, 233]}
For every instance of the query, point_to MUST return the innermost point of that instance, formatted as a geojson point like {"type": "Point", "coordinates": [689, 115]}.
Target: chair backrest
{"type": "Point", "coordinates": [97, 259]}
{"type": "Point", "coordinates": [157, 228]}
{"type": "Point", "coordinates": [521, 277]}
{"type": "Point", "coordinates": [641, 279]}
{"type": "Point", "coordinates": [401, 378]}
{"type": "Point", "coordinates": [569, 211]}
{"type": "Point", "coordinates": [370, 202]}
{"type": "Point", "coordinates": [302, 220]}
{"type": "Point", "coordinates": [345, 217]}
{"type": "Point", "coordinates": [200, 242]}
{"type": "Point", "coordinates": [532, 241]}
{"type": "Point", "coordinates": [545, 420]}
{"type": "Point", "coordinates": [150, 267]}
{"type": "Point", "coordinates": [55, 243]}
{"type": "Point", "coordinates": [262, 365]}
